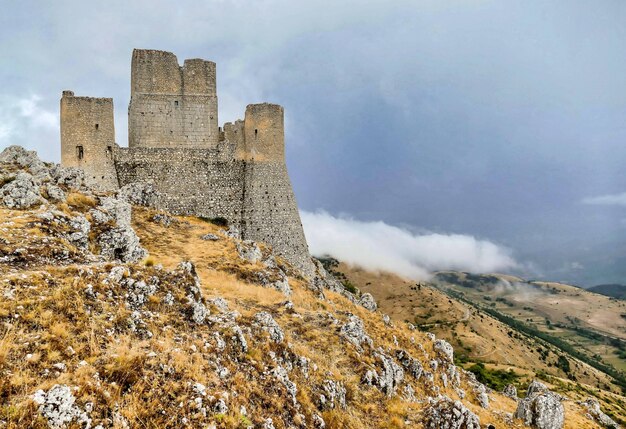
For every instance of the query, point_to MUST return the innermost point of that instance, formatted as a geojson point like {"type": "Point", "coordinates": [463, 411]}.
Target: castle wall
{"type": "Point", "coordinates": [195, 182]}
{"type": "Point", "coordinates": [172, 106]}
{"type": "Point", "coordinates": [88, 138]}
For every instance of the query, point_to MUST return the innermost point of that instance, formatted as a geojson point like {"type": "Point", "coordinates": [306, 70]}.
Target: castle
{"type": "Point", "coordinates": [198, 168]}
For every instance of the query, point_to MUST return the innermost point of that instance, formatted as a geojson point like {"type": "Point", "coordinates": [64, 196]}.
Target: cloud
{"type": "Point", "coordinates": [607, 200]}
{"type": "Point", "coordinates": [380, 246]}
{"type": "Point", "coordinates": [25, 122]}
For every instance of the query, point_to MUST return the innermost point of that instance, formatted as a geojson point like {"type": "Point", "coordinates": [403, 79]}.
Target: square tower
{"type": "Point", "coordinates": [170, 105]}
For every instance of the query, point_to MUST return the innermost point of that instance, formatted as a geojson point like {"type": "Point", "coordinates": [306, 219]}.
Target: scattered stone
{"type": "Point", "coordinates": [238, 339]}
{"type": "Point", "coordinates": [281, 375]}
{"type": "Point", "coordinates": [410, 364]}
{"type": "Point", "coordinates": [334, 395]}
{"type": "Point", "coordinates": [163, 219]}
{"type": "Point", "coordinates": [57, 406]}
{"type": "Point", "coordinates": [209, 237]}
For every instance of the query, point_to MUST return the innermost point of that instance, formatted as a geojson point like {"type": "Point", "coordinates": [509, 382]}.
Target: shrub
{"type": "Point", "coordinates": [496, 379]}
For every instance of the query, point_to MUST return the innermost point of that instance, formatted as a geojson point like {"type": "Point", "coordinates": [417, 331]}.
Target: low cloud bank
{"type": "Point", "coordinates": [607, 200]}
{"type": "Point", "coordinates": [380, 246]}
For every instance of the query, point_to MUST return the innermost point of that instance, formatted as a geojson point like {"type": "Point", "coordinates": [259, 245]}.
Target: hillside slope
{"type": "Point", "coordinates": [612, 290]}
{"type": "Point", "coordinates": [116, 315]}
{"type": "Point", "coordinates": [478, 337]}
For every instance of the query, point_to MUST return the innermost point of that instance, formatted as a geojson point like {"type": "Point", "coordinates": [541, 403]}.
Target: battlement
{"type": "Point", "coordinates": [158, 72]}
{"type": "Point", "coordinates": [238, 173]}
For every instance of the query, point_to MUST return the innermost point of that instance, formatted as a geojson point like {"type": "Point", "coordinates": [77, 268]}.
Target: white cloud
{"type": "Point", "coordinates": [23, 121]}
{"type": "Point", "coordinates": [607, 200]}
{"type": "Point", "coordinates": [380, 246]}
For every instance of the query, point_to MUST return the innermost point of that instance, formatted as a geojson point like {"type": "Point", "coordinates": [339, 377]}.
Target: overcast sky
{"type": "Point", "coordinates": [500, 120]}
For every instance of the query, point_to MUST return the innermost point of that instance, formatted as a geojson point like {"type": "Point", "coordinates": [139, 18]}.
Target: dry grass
{"type": "Point", "coordinates": [149, 379]}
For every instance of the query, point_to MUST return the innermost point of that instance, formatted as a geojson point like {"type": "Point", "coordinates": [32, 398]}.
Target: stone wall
{"type": "Point", "coordinates": [88, 138]}
{"type": "Point", "coordinates": [172, 106]}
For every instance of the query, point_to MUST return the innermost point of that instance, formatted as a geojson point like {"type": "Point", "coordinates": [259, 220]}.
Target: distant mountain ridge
{"type": "Point", "coordinates": [614, 290]}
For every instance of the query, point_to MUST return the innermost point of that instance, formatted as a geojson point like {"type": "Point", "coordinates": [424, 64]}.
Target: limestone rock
{"type": "Point", "coordinates": [139, 193]}
{"type": "Point", "coordinates": [541, 408]}
{"type": "Point", "coordinates": [444, 350]}
{"type": "Point", "coordinates": [367, 301]}
{"type": "Point", "coordinates": [410, 364]}
{"type": "Point", "coordinates": [510, 391]}
{"type": "Point", "coordinates": [26, 159]}
{"type": "Point", "coordinates": [593, 407]}
{"type": "Point", "coordinates": [334, 395]}
{"type": "Point", "coordinates": [391, 374]}
{"type": "Point", "coordinates": [121, 244]}
{"type": "Point", "coordinates": [58, 407]}
{"type": "Point", "coordinates": [69, 177]}
{"type": "Point", "coordinates": [354, 332]}
{"type": "Point", "coordinates": [209, 237]}
{"type": "Point", "coordinates": [444, 413]}
{"type": "Point", "coordinates": [249, 251]}
{"type": "Point", "coordinates": [266, 322]}
{"type": "Point", "coordinates": [22, 192]}
{"type": "Point", "coordinates": [281, 375]}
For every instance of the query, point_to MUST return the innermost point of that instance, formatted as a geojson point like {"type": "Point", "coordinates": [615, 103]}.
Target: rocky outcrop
{"type": "Point", "coordinates": [444, 413]}
{"type": "Point", "coordinates": [21, 192]}
{"type": "Point", "coordinates": [367, 301]}
{"type": "Point", "coordinates": [595, 413]}
{"type": "Point", "coordinates": [541, 408]}
{"type": "Point", "coordinates": [353, 331]}
{"type": "Point", "coordinates": [265, 322]}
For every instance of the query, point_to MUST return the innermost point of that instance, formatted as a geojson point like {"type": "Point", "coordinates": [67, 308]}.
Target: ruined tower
{"type": "Point", "coordinates": [175, 143]}
{"type": "Point", "coordinates": [88, 138]}
{"type": "Point", "coordinates": [172, 106]}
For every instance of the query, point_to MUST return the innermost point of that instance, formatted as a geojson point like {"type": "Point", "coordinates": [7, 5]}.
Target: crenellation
{"type": "Point", "coordinates": [237, 172]}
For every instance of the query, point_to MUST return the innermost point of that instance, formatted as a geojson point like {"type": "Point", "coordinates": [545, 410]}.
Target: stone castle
{"type": "Point", "coordinates": [237, 172]}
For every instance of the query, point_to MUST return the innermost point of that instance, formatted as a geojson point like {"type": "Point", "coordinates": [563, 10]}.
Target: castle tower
{"type": "Point", "coordinates": [172, 106]}
{"type": "Point", "coordinates": [88, 138]}
{"type": "Point", "coordinates": [270, 212]}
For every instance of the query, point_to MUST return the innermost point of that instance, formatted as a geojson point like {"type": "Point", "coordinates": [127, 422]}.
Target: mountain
{"type": "Point", "coordinates": [474, 314]}
{"type": "Point", "coordinates": [614, 290]}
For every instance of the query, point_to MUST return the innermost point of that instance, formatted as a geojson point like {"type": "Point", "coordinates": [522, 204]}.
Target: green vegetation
{"type": "Point", "coordinates": [496, 379]}
{"type": "Point", "coordinates": [619, 378]}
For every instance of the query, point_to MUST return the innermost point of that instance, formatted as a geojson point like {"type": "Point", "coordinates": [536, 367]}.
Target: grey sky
{"type": "Point", "coordinates": [502, 120]}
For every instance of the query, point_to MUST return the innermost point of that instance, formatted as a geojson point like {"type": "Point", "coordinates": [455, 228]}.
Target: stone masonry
{"type": "Point", "coordinates": [238, 173]}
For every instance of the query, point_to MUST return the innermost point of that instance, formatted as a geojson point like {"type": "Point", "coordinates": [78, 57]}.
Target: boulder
{"type": "Point", "coordinates": [367, 301]}
{"type": "Point", "coordinates": [541, 408]}
{"type": "Point", "coordinates": [391, 374]}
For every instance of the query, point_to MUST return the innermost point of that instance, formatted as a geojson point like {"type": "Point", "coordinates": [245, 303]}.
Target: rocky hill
{"type": "Point", "coordinates": [116, 315]}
